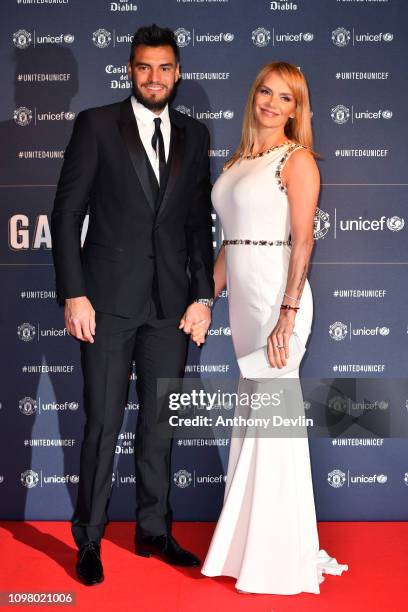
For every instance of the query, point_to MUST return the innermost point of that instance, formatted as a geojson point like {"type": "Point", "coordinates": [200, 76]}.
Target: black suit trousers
{"type": "Point", "coordinates": [159, 349]}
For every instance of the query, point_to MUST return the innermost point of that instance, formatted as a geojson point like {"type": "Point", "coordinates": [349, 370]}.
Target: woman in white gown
{"type": "Point", "coordinates": [266, 536]}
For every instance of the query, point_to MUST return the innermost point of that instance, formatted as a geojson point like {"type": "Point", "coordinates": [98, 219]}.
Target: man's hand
{"type": "Point", "coordinates": [196, 321]}
{"type": "Point", "coordinates": [80, 318]}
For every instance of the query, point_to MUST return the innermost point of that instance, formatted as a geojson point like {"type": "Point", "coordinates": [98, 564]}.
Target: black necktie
{"type": "Point", "coordinates": [157, 138]}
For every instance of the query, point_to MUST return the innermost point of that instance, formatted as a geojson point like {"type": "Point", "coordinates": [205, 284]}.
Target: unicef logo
{"type": "Point", "coordinates": [69, 38]}
{"type": "Point", "coordinates": [22, 39]}
{"type": "Point", "coordinates": [27, 406]}
{"type": "Point", "coordinates": [26, 332]}
{"type": "Point", "coordinates": [321, 224]}
{"type": "Point", "coordinates": [384, 331]}
{"type": "Point", "coordinates": [340, 114]}
{"type": "Point", "coordinates": [74, 479]}
{"type": "Point", "coordinates": [406, 478]}
{"type": "Point", "coordinates": [386, 114]}
{"type": "Point", "coordinates": [228, 37]}
{"type": "Point", "coordinates": [69, 115]}
{"type": "Point", "coordinates": [73, 405]}
{"type": "Point", "coordinates": [336, 478]}
{"type": "Point", "coordinates": [337, 404]}
{"type": "Point", "coordinates": [341, 37]}
{"type": "Point", "coordinates": [383, 405]}
{"type": "Point", "coordinates": [261, 37]}
{"type": "Point", "coordinates": [228, 114]}
{"type": "Point", "coordinates": [338, 331]}
{"type": "Point", "coordinates": [382, 478]}
{"type": "Point", "coordinates": [388, 37]}
{"type": "Point", "coordinates": [307, 405]}
{"type": "Point", "coordinates": [182, 479]}
{"type": "Point", "coordinates": [184, 109]}
{"type": "Point", "coordinates": [395, 224]}
{"type": "Point", "coordinates": [29, 479]}
{"type": "Point", "coordinates": [102, 38]}
{"type": "Point", "coordinates": [182, 36]}
{"type": "Point", "coordinates": [23, 116]}
{"type": "Point", "coordinates": [308, 36]}
{"type": "Point", "coordinates": [226, 331]}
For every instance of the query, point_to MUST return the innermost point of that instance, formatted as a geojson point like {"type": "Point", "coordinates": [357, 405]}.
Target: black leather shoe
{"type": "Point", "coordinates": [165, 547]}
{"type": "Point", "coordinates": [89, 567]}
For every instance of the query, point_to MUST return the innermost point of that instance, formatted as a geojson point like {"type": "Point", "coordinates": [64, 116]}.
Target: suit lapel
{"type": "Point", "coordinates": [129, 131]}
{"type": "Point", "coordinates": [175, 161]}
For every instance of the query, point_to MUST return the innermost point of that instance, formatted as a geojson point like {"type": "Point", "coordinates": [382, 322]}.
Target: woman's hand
{"type": "Point", "coordinates": [199, 331]}
{"type": "Point", "coordinates": [279, 336]}
{"type": "Point", "coordinates": [196, 321]}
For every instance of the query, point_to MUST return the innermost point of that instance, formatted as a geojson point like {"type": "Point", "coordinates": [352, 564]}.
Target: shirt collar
{"type": "Point", "coordinates": [147, 116]}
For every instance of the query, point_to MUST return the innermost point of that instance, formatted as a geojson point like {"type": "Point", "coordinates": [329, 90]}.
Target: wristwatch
{"type": "Point", "coordinates": [206, 302]}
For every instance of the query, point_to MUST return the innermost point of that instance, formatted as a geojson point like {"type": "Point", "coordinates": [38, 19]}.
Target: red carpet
{"type": "Point", "coordinates": [40, 556]}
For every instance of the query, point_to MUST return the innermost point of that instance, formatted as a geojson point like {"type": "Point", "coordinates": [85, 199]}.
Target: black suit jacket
{"type": "Point", "coordinates": [127, 243]}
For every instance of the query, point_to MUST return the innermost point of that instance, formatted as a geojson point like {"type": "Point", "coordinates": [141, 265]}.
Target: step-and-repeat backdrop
{"type": "Point", "coordinates": [61, 56]}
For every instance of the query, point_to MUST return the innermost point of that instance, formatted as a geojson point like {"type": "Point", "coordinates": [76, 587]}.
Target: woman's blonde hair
{"type": "Point", "coordinates": [298, 129]}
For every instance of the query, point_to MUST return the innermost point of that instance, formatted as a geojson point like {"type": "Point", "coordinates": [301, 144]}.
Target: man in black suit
{"type": "Point", "coordinates": [143, 277]}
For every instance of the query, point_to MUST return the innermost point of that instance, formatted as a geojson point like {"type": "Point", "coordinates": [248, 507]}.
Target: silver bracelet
{"type": "Point", "coordinates": [292, 298]}
{"type": "Point", "coordinates": [205, 301]}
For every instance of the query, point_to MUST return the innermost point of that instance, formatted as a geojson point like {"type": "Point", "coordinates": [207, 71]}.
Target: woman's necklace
{"type": "Point", "coordinates": [267, 150]}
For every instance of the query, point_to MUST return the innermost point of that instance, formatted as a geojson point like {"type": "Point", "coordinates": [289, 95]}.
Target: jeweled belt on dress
{"type": "Point", "coordinates": [258, 242]}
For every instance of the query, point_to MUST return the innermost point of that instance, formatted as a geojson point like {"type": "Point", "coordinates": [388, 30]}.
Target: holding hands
{"type": "Point", "coordinates": [80, 320]}
{"type": "Point", "coordinates": [195, 321]}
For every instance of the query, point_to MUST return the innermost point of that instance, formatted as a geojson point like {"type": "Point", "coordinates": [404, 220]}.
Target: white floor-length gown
{"type": "Point", "coordinates": [266, 536]}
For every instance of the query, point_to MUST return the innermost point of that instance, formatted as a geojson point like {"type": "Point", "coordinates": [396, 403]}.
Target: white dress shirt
{"type": "Point", "coordinates": [145, 123]}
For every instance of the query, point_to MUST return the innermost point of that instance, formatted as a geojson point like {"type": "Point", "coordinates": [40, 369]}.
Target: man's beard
{"type": "Point", "coordinates": [152, 105]}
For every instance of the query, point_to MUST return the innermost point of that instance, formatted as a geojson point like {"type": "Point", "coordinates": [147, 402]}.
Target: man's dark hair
{"type": "Point", "coordinates": [154, 36]}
